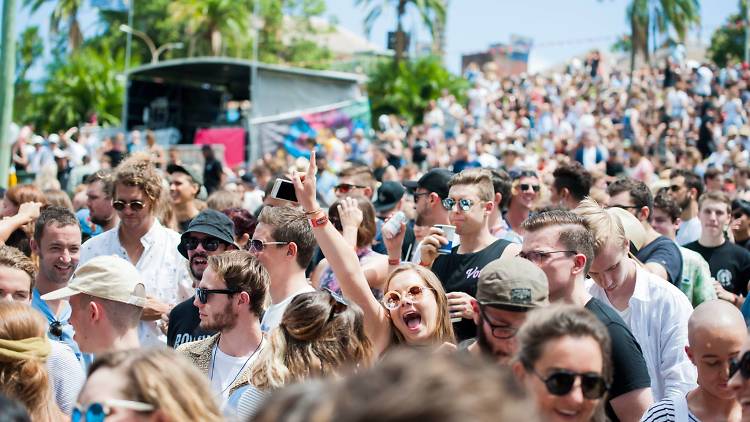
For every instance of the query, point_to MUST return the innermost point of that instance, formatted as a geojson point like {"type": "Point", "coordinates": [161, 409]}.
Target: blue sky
{"type": "Point", "coordinates": [560, 28]}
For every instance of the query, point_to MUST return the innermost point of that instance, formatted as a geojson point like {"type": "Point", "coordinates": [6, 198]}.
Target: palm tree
{"type": "Point", "coordinates": [432, 13]}
{"type": "Point", "coordinates": [65, 11]}
{"type": "Point", "coordinates": [210, 21]}
{"type": "Point", "coordinates": [648, 18]}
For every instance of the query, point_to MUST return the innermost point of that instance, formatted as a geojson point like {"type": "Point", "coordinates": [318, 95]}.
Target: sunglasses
{"type": "Point", "coordinates": [55, 329]}
{"type": "Point", "coordinates": [737, 215]}
{"type": "Point", "coordinates": [338, 303]}
{"type": "Point", "coordinates": [258, 245]}
{"type": "Point", "coordinates": [347, 187]}
{"type": "Point", "coordinates": [464, 204]}
{"type": "Point", "coordinates": [526, 187]}
{"type": "Point", "coordinates": [675, 188]}
{"type": "Point", "coordinates": [202, 293]}
{"type": "Point", "coordinates": [98, 412]}
{"type": "Point", "coordinates": [560, 383]}
{"type": "Point", "coordinates": [624, 207]}
{"type": "Point", "coordinates": [210, 244]}
{"type": "Point", "coordinates": [742, 365]}
{"type": "Point", "coordinates": [501, 332]}
{"type": "Point", "coordinates": [414, 294]}
{"type": "Point", "coordinates": [134, 205]}
{"type": "Point", "coordinates": [538, 256]}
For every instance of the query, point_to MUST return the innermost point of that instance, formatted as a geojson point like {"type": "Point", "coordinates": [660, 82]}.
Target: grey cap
{"type": "Point", "coordinates": [514, 283]}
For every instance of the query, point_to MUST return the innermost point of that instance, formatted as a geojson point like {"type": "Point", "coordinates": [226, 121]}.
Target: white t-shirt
{"type": "Point", "coordinates": [272, 316]}
{"type": "Point", "coordinates": [689, 231]}
{"type": "Point", "coordinates": [225, 370]}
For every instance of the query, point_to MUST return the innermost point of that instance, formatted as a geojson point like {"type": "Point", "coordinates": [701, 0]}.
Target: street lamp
{"type": "Point", "coordinates": [155, 52]}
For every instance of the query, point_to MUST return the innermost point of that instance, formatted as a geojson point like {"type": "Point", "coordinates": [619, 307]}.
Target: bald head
{"type": "Point", "coordinates": [715, 317]}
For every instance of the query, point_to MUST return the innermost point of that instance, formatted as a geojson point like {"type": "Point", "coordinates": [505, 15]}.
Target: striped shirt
{"type": "Point", "coordinates": [667, 411]}
{"type": "Point", "coordinates": [65, 374]}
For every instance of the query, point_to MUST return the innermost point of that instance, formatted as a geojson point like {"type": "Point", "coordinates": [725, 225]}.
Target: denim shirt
{"type": "Point", "coordinates": [67, 330]}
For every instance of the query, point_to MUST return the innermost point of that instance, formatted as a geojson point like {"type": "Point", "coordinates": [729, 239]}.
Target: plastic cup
{"type": "Point", "coordinates": [448, 232]}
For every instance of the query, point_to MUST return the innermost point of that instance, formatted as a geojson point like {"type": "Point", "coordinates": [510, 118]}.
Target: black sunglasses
{"type": "Point", "coordinates": [258, 245]}
{"type": "Point", "coordinates": [525, 187]}
{"type": "Point", "coordinates": [536, 256]}
{"type": "Point", "coordinates": [500, 332]}
{"type": "Point", "coordinates": [675, 188]}
{"type": "Point", "coordinates": [134, 205]}
{"type": "Point", "coordinates": [742, 365]}
{"type": "Point", "coordinates": [210, 244]}
{"type": "Point", "coordinates": [560, 383]}
{"type": "Point", "coordinates": [56, 329]}
{"type": "Point", "coordinates": [202, 293]}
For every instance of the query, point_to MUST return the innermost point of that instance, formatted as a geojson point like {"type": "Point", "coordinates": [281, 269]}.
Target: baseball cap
{"type": "Point", "coordinates": [107, 277]}
{"type": "Point", "coordinates": [176, 168]}
{"type": "Point", "coordinates": [513, 282]}
{"type": "Point", "coordinates": [212, 223]}
{"type": "Point", "coordinates": [435, 180]}
{"type": "Point", "coordinates": [389, 193]}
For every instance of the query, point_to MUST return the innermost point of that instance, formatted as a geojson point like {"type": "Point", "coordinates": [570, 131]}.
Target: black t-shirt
{"type": "Point", "coordinates": [212, 175]}
{"type": "Point", "coordinates": [460, 273]}
{"type": "Point", "coordinates": [184, 325]}
{"type": "Point", "coordinates": [629, 368]}
{"type": "Point", "coordinates": [665, 252]}
{"type": "Point", "coordinates": [729, 263]}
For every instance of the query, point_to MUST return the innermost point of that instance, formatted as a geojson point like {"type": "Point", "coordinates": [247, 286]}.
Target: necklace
{"type": "Point", "coordinates": [213, 362]}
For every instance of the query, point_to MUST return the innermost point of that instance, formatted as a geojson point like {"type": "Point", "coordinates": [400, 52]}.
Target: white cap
{"type": "Point", "coordinates": [106, 277]}
{"type": "Point", "coordinates": [54, 138]}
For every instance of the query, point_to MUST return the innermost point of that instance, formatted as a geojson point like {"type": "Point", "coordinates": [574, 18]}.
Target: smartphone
{"type": "Point", "coordinates": [284, 189]}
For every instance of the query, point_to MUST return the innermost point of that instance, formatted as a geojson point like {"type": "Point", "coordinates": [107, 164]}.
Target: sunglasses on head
{"type": "Point", "coordinates": [210, 244]}
{"type": "Point", "coordinates": [202, 293]}
{"type": "Point", "coordinates": [120, 205]}
{"type": "Point", "coordinates": [347, 187]}
{"type": "Point", "coordinates": [414, 294]}
{"type": "Point", "coordinates": [526, 187]}
{"type": "Point", "coordinates": [258, 245]}
{"type": "Point", "coordinates": [338, 303]}
{"type": "Point", "coordinates": [742, 365]}
{"type": "Point", "coordinates": [561, 382]}
{"type": "Point", "coordinates": [463, 204]}
{"type": "Point", "coordinates": [56, 329]}
{"type": "Point", "coordinates": [98, 412]}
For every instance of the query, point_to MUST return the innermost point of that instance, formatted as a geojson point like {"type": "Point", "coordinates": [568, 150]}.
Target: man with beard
{"type": "Point", "coordinates": [99, 200]}
{"type": "Point", "coordinates": [230, 300]}
{"type": "Point", "coordinates": [508, 288]}
{"type": "Point", "coordinates": [429, 192]}
{"type": "Point", "coordinates": [685, 188]}
{"type": "Point", "coordinates": [560, 243]}
{"type": "Point", "coordinates": [57, 243]}
{"type": "Point", "coordinates": [209, 233]}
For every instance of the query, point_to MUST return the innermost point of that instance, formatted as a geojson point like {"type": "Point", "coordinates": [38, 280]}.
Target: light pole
{"type": "Point", "coordinates": [155, 52]}
{"type": "Point", "coordinates": [7, 75]}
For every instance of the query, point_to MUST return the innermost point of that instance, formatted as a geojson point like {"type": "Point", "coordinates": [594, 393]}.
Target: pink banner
{"type": "Point", "coordinates": [233, 139]}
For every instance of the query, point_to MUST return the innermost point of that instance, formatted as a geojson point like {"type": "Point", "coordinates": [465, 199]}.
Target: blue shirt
{"type": "Point", "coordinates": [67, 330]}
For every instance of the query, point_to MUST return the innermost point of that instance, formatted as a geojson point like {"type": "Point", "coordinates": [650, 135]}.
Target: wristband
{"type": "Point", "coordinates": [319, 221]}
{"type": "Point", "coordinates": [396, 261]}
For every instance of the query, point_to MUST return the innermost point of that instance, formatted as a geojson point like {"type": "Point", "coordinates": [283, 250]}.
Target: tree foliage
{"type": "Point", "coordinates": [728, 41]}
{"type": "Point", "coordinates": [648, 18]}
{"type": "Point", "coordinates": [407, 89]}
{"type": "Point", "coordinates": [64, 17]}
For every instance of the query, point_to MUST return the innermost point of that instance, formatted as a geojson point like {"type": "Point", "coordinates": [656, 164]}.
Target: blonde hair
{"type": "Point", "coordinates": [481, 179]}
{"type": "Point", "coordinates": [139, 170]}
{"type": "Point", "coordinates": [604, 224]}
{"type": "Point", "coordinates": [444, 330]}
{"type": "Point", "coordinates": [313, 339]}
{"type": "Point", "coordinates": [164, 379]}
{"type": "Point", "coordinates": [26, 380]}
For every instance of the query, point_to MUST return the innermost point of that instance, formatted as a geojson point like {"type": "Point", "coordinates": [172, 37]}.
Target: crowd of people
{"type": "Point", "coordinates": [570, 247]}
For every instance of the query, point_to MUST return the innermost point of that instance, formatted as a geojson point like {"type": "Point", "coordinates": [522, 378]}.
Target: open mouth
{"type": "Point", "coordinates": [200, 261]}
{"type": "Point", "coordinates": [567, 414]}
{"type": "Point", "coordinates": [413, 320]}
{"type": "Point", "coordinates": [63, 268]}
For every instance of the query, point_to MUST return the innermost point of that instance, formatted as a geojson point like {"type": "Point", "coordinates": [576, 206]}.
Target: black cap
{"type": "Point", "coordinates": [176, 168]}
{"type": "Point", "coordinates": [389, 193]}
{"type": "Point", "coordinates": [435, 180]}
{"type": "Point", "coordinates": [741, 205]}
{"type": "Point", "coordinates": [212, 223]}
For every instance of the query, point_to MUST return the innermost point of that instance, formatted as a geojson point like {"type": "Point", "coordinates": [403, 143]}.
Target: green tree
{"type": "Point", "coordinates": [86, 83]}
{"type": "Point", "coordinates": [407, 88]}
{"type": "Point", "coordinates": [30, 48]}
{"type": "Point", "coordinates": [728, 41]}
{"type": "Point", "coordinates": [207, 22]}
{"type": "Point", "coordinates": [64, 16]}
{"type": "Point", "coordinates": [432, 12]}
{"type": "Point", "coordinates": [649, 18]}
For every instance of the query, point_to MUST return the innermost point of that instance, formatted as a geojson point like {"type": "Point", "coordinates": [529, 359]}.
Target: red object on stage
{"type": "Point", "coordinates": [233, 139]}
